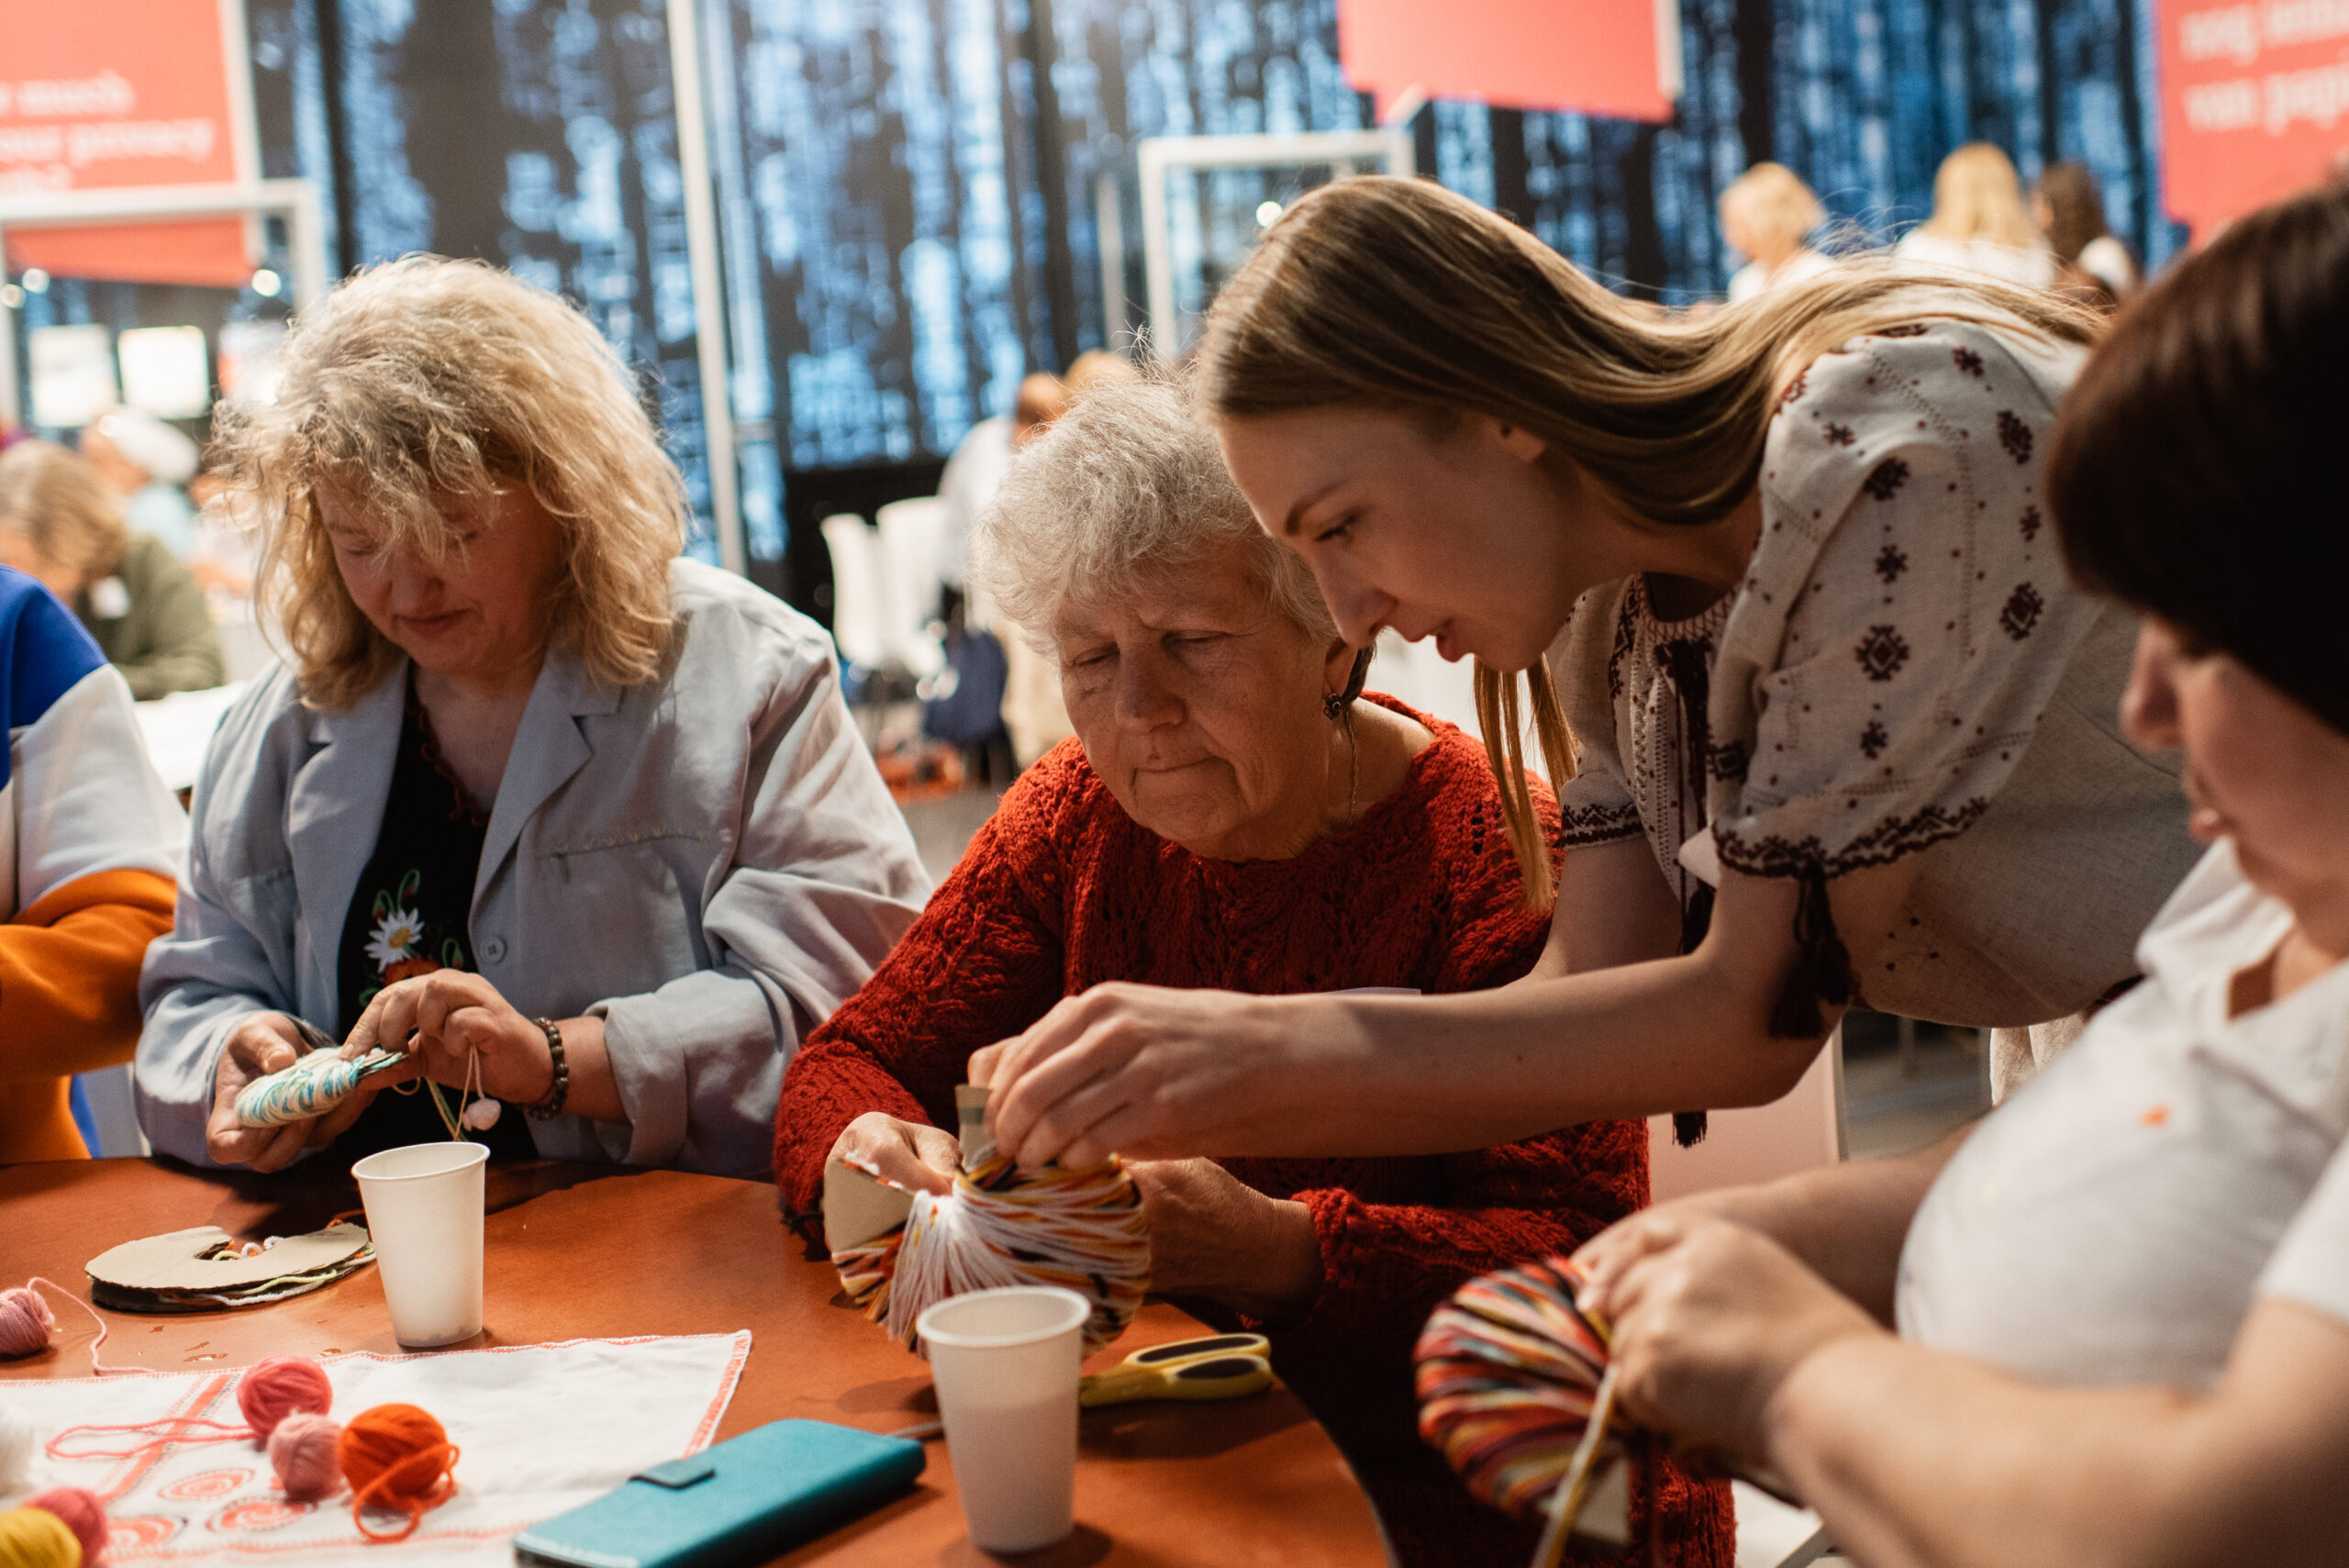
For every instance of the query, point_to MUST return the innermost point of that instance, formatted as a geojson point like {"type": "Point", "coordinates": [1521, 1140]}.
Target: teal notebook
{"type": "Point", "coordinates": [743, 1501]}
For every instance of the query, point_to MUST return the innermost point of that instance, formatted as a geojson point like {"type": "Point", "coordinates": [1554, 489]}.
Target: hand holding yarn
{"type": "Point", "coordinates": [1082, 1228]}
{"type": "Point", "coordinates": [1705, 1327]}
{"type": "Point", "coordinates": [261, 1044]}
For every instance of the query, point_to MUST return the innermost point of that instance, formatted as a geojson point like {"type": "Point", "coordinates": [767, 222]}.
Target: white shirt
{"type": "Point", "coordinates": [2025, 266]}
{"type": "Point", "coordinates": [1754, 278]}
{"type": "Point", "coordinates": [2113, 1222]}
{"type": "Point", "coordinates": [969, 484]}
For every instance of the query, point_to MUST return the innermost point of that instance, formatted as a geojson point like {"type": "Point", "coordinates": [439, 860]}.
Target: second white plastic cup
{"type": "Point", "coordinates": [1006, 1363]}
{"type": "Point", "coordinates": [424, 1210]}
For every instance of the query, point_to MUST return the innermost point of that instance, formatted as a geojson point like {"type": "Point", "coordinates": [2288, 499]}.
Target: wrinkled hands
{"type": "Point", "coordinates": [1212, 1235]}
{"type": "Point", "coordinates": [261, 1044]}
{"type": "Point", "coordinates": [918, 1158]}
{"type": "Point", "coordinates": [1138, 1070]}
{"type": "Point", "coordinates": [1708, 1321]}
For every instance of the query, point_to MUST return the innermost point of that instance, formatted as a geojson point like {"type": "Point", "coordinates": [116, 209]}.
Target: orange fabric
{"type": "Point", "coordinates": [69, 1001]}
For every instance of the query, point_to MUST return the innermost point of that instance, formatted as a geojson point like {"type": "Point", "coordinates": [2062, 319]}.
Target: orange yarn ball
{"type": "Point", "coordinates": [397, 1457]}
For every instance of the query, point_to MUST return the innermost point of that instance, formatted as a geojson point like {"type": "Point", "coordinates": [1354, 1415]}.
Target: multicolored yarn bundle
{"type": "Point", "coordinates": [1507, 1374]}
{"type": "Point", "coordinates": [313, 1086]}
{"type": "Point", "coordinates": [397, 1457]}
{"type": "Point", "coordinates": [1082, 1228]}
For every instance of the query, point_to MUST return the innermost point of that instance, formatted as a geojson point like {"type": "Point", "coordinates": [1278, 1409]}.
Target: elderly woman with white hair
{"type": "Point", "coordinates": [1234, 814]}
{"type": "Point", "coordinates": [561, 813]}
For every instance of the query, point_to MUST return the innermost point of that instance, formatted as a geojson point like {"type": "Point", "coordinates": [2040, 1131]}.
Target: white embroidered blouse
{"type": "Point", "coordinates": [1907, 668]}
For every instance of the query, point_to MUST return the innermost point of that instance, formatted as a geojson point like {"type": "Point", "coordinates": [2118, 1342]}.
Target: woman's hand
{"type": "Point", "coordinates": [919, 1159]}
{"type": "Point", "coordinates": [1138, 1070]}
{"type": "Point", "coordinates": [261, 1044]}
{"type": "Point", "coordinates": [445, 1019]}
{"type": "Point", "coordinates": [1212, 1235]}
{"type": "Point", "coordinates": [1709, 1318]}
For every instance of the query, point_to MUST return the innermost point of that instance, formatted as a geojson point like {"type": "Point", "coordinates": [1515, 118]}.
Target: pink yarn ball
{"type": "Point", "coordinates": [26, 1322]}
{"type": "Point", "coordinates": [82, 1513]}
{"type": "Point", "coordinates": [302, 1450]}
{"type": "Point", "coordinates": [276, 1387]}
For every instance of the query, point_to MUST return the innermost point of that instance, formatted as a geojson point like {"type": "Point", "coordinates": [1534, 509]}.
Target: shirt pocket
{"type": "Point", "coordinates": [624, 913]}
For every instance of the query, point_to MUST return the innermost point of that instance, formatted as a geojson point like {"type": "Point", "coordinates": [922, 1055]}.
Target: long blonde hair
{"type": "Point", "coordinates": [1397, 294]}
{"type": "Point", "coordinates": [54, 500]}
{"type": "Point", "coordinates": [1978, 194]}
{"type": "Point", "coordinates": [422, 385]}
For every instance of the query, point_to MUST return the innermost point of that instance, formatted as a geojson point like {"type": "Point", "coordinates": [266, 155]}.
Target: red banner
{"type": "Point", "coordinates": [2255, 101]}
{"type": "Point", "coordinates": [1616, 57]}
{"type": "Point", "coordinates": [99, 94]}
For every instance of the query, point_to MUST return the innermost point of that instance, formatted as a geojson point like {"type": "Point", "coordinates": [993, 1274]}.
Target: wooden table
{"type": "Point", "coordinates": [578, 1251]}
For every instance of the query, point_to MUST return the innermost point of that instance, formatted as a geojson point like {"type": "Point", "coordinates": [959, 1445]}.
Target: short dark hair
{"type": "Point", "coordinates": [2201, 464]}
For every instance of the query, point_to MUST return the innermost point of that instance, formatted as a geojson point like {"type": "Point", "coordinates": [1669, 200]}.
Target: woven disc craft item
{"type": "Point", "coordinates": [1507, 1374]}
{"type": "Point", "coordinates": [1084, 1229]}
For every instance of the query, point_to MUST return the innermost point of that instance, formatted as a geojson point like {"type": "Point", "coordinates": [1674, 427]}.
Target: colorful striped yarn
{"type": "Point", "coordinates": [1084, 1229]}
{"type": "Point", "coordinates": [312, 1086]}
{"type": "Point", "coordinates": [1508, 1371]}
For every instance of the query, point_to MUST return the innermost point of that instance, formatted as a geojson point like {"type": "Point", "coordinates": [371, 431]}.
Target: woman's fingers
{"type": "Point", "coordinates": [919, 1159]}
{"type": "Point", "coordinates": [258, 1046]}
{"type": "Point", "coordinates": [1606, 1256]}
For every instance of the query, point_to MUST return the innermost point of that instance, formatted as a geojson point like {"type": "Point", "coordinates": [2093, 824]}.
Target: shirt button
{"type": "Point", "coordinates": [494, 950]}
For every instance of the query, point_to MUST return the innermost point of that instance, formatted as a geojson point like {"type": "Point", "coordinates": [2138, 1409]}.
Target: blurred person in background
{"type": "Point", "coordinates": [60, 523]}
{"type": "Point", "coordinates": [1034, 714]}
{"type": "Point", "coordinates": [146, 462]}
{"type": "Point", "coordinates": [1768, 216]}
{"type": "Point", "coordinates": [2069, 210]}
{"type": "Point", "coordinates": [1978, 224]}
{"type": "Point", "coordinates": [90, 841]}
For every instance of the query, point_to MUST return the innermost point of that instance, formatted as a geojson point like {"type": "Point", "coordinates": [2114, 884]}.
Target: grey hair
{"type": "Point", "coordinates": [1128, 483]}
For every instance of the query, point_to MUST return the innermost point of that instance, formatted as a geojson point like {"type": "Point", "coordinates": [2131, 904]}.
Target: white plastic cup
{"type": "Point", "coordinates": [1006, 1363]}
{"type": "Point", "coordinates": [424, 1210]}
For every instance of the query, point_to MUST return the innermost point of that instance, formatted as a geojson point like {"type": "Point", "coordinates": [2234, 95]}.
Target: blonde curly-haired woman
{"type": "Point", "coordinates": [532, 793]}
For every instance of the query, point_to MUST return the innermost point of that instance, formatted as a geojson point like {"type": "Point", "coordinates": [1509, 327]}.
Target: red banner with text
{"type": "Point", "coordinates": [2255, 103]}
{"type": "Point", "coordinates": [98, 95]}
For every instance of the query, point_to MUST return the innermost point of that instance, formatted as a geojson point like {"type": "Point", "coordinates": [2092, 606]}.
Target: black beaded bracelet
{"type": "Point", "coordinates": [559, 1090]}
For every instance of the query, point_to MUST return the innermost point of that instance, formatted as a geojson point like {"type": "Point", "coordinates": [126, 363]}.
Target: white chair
{"type": "Point", "coordinates": [108, 1093]}
{"type": "Point", "coordinates": [909, 532]}
{"type": "Point", "coordinates": [859, 615]}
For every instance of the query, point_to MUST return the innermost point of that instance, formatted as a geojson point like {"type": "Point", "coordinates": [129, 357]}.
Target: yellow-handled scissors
{"type": "Point", "coordinates": [1223, 1366]}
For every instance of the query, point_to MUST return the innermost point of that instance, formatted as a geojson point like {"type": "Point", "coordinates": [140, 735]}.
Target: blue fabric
{"type": "Point", "coordinates": [43, 653]}
{"type": "Point", "coordinates": [83, 1118]}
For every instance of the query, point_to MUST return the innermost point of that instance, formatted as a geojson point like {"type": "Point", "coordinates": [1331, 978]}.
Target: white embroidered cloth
{"type": "Point", "coordinates": [541, 1428]}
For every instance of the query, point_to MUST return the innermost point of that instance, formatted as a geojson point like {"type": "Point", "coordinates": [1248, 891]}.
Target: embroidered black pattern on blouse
{"type": "Point", "coordinates": [1888, 840]}
{"type": "Point", "coordinates": [2014, 435]}
{"type": "Point", "coordinates": [1967, 360]}
{"type": "Point", "coordinates": [1587, 824]}
{"type": "Point", "coordinates": [1890, 562]}
{"type": "Point", "coordinates": [1882, 653]}
{"type": "Point", "coordinates": [1838, 435]}
{"type": "Point", "coordinates": [1872, 739]}
{"type": "Point", "coordinates": [1627, 642]}
{"type": "Point", "coordinates": [2029, 523]}
{"type": "Point", "coordinates": [2022, 613]}
{"type": "Point", "coordinates": [1884, 480]}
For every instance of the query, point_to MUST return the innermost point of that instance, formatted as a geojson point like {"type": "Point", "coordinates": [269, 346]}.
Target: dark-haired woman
{"type": "Point", "coordinates": [2124, 1302]}
{"type": "Point", "coordinates": [1844, 725]}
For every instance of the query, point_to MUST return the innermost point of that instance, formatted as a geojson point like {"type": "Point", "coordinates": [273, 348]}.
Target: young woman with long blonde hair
{"type": "Point", "coordinates": [1828, 719]}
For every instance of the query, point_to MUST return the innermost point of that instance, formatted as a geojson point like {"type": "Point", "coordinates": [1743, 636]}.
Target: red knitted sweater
{"type": "Point", "coordinates": [1061, 890]}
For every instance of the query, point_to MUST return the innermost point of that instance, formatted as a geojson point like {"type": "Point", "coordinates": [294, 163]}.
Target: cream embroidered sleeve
{"type": "Point", "coordinates": [1907, 617]}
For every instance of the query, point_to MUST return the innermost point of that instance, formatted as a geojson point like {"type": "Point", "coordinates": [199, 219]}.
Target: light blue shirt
{"type": "Point", "coordinates": [710, 862]}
